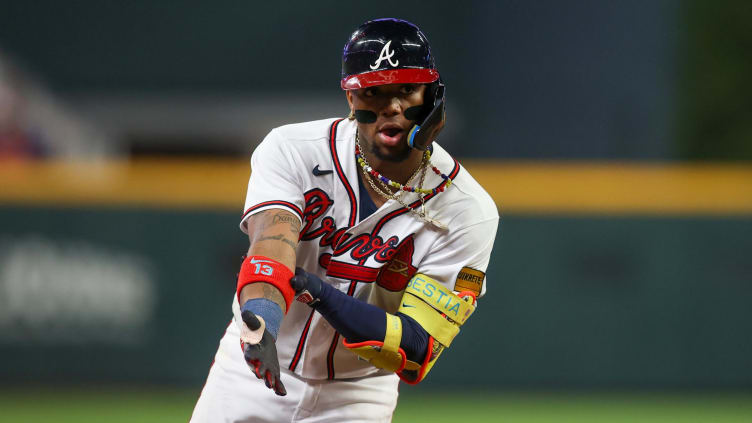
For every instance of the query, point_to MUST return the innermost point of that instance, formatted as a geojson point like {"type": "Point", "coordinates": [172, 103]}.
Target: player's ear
{"type": "Point", "coordinates": [348, 95]}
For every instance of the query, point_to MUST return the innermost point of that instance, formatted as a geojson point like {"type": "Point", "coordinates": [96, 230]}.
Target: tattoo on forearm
{"type": "Point", "coordinates": [287, 218]}
{"type": "Point", "coordinates": [266, 220]}
{"type": "Point", "coordinates": [273, 294]}
{"type": "Point", "coordinates": [279, 237]}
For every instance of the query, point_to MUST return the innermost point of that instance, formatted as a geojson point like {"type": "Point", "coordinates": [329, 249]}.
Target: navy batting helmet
{"type": "Point", "coordinates": [394, 51]}
{"type": "Point", "coordinates": [387, 51]}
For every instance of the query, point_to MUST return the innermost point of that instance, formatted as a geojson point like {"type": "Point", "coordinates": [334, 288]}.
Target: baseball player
{"type": "Point", "coordinates": [381, 236]}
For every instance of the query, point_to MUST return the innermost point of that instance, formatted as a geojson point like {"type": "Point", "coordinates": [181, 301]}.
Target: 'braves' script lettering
{"type": "Point", "coordinates": [360, 247]}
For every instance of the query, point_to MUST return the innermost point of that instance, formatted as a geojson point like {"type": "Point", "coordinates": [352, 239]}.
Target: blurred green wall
{"type": "Point", "coordinates": [715, 90]}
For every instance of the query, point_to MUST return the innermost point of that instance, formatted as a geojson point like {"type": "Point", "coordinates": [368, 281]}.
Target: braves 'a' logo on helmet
{"type": "Point", "coordinates": [385, 54]}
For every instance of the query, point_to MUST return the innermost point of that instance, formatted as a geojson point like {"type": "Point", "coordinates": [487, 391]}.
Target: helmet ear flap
{"type": "Point", "coordinates": [419, 113]}
{"type": "Point", "coordinates": [434, 91]}
{"type": "Point", "coordinates": [433, 118]}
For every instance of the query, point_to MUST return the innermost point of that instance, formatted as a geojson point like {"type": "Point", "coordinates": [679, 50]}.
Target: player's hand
{"type": "Point", "coordinates": [307, 287]}
{"type": "Point", "coordinates": [262, 357]}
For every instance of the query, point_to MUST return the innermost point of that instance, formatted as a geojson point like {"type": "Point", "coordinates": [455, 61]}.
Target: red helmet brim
{"type": "Point", "coordinates": [390, 76]}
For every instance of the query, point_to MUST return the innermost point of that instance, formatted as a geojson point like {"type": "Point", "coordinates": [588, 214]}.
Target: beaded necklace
{"type": "Point", "coordinates": [370, 175]}
{"type": "Point", "coordinates": [376, 175]}
{"type": "Point", "coordinates": [386, 190]}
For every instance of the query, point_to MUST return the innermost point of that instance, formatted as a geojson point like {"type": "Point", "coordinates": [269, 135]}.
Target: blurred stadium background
{"type": "Point", "coordinates": [616, 138]}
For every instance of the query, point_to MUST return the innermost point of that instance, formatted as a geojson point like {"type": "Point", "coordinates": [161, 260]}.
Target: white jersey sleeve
{"type": "Point", "coordinates": [459, 260]}
{"type": "Point", "coordinates": [275, 182]}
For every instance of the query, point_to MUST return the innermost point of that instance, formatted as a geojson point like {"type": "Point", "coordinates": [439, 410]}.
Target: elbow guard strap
{"type": "Point", "coordinates": [440, 312]}
{"type": "Point", "coordinates": [387, 354]}
{"type": "Point", "coordinates": [264, 269]}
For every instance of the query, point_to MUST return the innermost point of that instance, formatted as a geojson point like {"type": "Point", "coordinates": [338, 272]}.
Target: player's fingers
{"type": "Point", "coordinates": [255, 368]}
{"type": "Point", "coordinates": [298, 282]}
{"type": "Point", "coordinates": [256, 373]}
{"type": "Point", "coordinates": [251, 320]}
{"type": "Point", "coordinates": [268, 380]}
{"type": "Point", "coordinates": [279, 388]}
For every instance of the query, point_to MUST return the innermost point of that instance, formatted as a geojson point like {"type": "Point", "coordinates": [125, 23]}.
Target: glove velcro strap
{"type": "Point", "coordinates": [385, 355]}
{"type": "Point", "coordinates": [264, 269]}
{"type": "Point", "coordinates": [440, 298]}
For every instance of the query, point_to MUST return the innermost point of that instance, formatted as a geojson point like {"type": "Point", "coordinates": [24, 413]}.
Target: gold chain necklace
{"type": "Point", "coordinates": [386, 192]}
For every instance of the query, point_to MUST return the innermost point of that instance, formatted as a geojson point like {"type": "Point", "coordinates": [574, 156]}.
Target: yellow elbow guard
{"type": "Point", "coordinates": [437, 309]}
{"type": "Point", "coordinates": [440, 312]}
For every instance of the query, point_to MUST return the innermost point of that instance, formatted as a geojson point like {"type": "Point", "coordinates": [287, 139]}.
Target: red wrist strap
{"type": "Point", "coordinates": [263, 269]}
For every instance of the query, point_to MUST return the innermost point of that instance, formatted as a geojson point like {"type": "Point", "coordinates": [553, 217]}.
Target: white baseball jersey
{"type": "Point", "coordinates": [310, 170]}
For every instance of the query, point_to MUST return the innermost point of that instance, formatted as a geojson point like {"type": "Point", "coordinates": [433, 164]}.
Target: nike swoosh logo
{"type": "Point", "coordinates": [407, 305]}
{"type": "Point", "coordinates": [254, 261]}
{"type": "Point", "coordinates": [319, 172]}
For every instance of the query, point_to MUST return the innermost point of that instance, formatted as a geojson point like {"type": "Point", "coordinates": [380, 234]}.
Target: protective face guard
{"type": "Point", "coordinates": [421, 135]}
